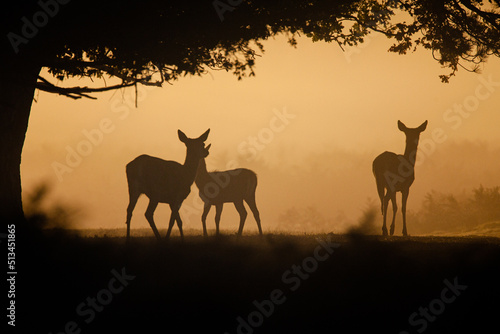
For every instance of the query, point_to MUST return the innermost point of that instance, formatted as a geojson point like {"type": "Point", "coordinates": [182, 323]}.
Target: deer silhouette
{"type": "Point", "coordinates": [232, 186]}
{"type": "Point", "coordinates": [164, 181]}
{"type": "Point", "coordinates": [396, 172]}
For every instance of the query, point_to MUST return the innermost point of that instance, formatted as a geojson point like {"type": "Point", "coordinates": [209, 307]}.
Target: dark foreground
{"type": "Point", "coordinates": [273, 284]}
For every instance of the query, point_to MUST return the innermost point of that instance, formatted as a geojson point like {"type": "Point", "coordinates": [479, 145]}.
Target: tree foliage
{"type": "Point", "coordinates": [459, 33]}
{"type": "Point", "coordinates": [452, 213]}
{"type": "Point", "coordinates": [152, 42]}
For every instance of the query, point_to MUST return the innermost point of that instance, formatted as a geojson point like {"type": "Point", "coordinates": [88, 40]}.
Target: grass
{"type": "Point", "coordinates": [207, 285]}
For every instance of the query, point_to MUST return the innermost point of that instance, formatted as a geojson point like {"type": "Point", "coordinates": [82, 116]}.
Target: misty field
{"type": "Point", "coordinates": [277, 283]}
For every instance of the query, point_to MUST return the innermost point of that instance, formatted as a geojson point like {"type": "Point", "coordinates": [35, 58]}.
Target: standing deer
{"type": "Point", "coordinates": [396, 172]}
{"type": "Point", "coordinates": [164, 181]}
{"type": "Point", "coordinates": [217, 188]}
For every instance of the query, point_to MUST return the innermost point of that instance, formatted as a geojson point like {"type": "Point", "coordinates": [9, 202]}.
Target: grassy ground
{"type": "Point", "coordinates": [272, 284]}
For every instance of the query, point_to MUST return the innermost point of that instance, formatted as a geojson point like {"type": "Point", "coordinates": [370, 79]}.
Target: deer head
{"type": "Point", "coordinates": [196, 149]}
{"type": "Point", "coordinates": [412, 134]}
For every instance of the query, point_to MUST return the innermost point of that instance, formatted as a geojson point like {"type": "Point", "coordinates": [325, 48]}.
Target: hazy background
{"type": "Point", "coordinates": [315, 171]}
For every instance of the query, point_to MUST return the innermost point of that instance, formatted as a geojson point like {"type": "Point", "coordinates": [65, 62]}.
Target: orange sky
{"type": "Point", "coordinates": [304, 104]}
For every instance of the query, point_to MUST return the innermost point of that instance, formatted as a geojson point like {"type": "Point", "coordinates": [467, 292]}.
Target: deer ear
{"type": "Point", "coordinates": [182, 137]}
{"type": "Point", "coordinates": [208, 147]}
{"type": "Point", "coordinates": [401, 126]}
{"type": "Point", "coordinates": [423, 126]}
{"type": "Point", "coordinates": [204, 136]}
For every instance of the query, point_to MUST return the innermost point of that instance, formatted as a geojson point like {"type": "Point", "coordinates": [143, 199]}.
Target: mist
{"type": "Point", "coordinates": [323, 191]}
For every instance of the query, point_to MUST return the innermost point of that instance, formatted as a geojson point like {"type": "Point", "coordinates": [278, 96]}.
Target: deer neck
{"type": "Point", "coordinates": [202, 174]}
{"type": "Point", "coordinates": [411, 151]}
{"type": "Point", "coordinates": [191, 166]}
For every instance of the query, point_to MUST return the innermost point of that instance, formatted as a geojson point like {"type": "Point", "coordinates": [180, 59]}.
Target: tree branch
{"type": "Point", "coordinates": [490, 17]}
{"type": "Point", "coordinates": [76, 92]}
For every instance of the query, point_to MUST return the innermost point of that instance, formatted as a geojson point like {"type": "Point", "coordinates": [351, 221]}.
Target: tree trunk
{"type": "Point", "coordinates": [17, 86]}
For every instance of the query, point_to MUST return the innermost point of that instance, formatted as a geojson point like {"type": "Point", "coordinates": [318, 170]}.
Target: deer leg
{"type": "Point", "coordinates": [149, 216]}
{"type": "Point", "coordinates": [403, 209]}
{"type": "Point", "coordinates": [170, 224]}
{"type": "Point", "coordinates": [206, 209]}
{"type": "Point", "coordinates": [243, 215]}
{"type": "Point", "coordinates": [253, 206]}
{"type": "Point", "coordinates": [394, 210]}
{"type": "Point", "coordinates": [131, 205]}
{"type": "Point", "coordinates": [218, 213]}
{"type": "Point", "coordinates": [384, 207]}
{"type": "Point", "coordinates": [174, 216]}
{"type": "Point", "coordinates": [179, 223]}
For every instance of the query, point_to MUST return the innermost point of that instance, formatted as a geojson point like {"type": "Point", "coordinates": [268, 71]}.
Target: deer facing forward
{"type": "Point", "coordinates": [395, 172]}
{"type": "Point", "coordinates": [232, 186]}
{"type": "Point", "coordinates": [164, 181]}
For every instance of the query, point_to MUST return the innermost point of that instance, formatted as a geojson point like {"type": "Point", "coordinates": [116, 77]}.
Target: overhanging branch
{"type": "Point", "coordinates": [490, 17]}
{"type": "Point", "coordinates": [79, 92]}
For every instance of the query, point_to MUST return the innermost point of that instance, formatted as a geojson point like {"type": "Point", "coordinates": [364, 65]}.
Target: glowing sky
{"type": "Point", "coordinates": [303, 104]}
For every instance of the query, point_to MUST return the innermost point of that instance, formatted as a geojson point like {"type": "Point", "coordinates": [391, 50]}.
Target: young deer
{"type": "Point", "coordinates": [396, 172]}
{"type": "Point", "coordinates": [217, 188]}
{"type": "Point", "coordinates": [164, 181]}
